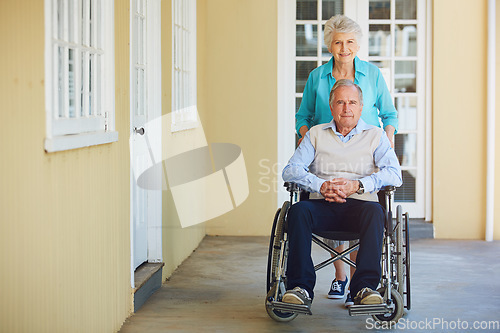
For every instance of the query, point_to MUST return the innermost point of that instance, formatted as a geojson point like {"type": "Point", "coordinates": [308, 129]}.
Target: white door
{"type": "Point", "coordinates": [145, 106]}
{"type": "Point", "coordinates": [394, 40]}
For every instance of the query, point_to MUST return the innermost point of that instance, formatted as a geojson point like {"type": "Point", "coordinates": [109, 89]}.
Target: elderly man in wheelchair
{"type": "Point", "coordinates": [343, 164]}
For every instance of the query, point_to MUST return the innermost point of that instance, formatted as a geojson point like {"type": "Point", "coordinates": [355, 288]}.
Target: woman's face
{"type": "Point", "coordinates": [344, 47]}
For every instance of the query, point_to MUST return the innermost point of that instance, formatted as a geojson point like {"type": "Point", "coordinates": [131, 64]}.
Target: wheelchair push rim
{"type": "Point", "coordinates": [277, 234]}
{"type": "Point", "coordinates": [270, 254]}
{"type": "Point", "coordinates": [407, 259]}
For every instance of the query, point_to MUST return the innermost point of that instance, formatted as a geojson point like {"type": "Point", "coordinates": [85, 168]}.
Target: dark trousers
{"type": "Point", "coordinates": [363, 217]}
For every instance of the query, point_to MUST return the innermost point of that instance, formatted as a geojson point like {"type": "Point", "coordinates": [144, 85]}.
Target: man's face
{"type": "Point", "coordinates": [346, 107]}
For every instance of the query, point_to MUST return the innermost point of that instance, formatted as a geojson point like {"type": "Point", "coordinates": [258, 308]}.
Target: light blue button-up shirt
{"type": "Point", "coordinates": [377, 101]}
{"type": "Point", "coordinates": [297, 169]}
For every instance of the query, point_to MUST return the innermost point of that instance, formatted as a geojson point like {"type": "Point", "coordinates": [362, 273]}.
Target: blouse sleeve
{"type": "Point", "coordinates": [305, 115]}
{"type": "Point", "coordinates": [387, 111]}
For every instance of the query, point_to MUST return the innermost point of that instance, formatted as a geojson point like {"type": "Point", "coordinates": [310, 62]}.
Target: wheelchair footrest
{"type": "Point", "coordinates": [372, 309]}
{"type": "Point", "coordinates": [288, 307]}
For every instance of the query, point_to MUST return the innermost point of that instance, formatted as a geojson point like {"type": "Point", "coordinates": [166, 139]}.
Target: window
{"type": "Point", "coordinates": [184, 65]}
{"type": "Point", "coordinates": [79, 72]}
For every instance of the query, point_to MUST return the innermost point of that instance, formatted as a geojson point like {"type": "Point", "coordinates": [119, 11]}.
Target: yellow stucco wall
{"type": "Point", "coordinates": [239, 70]}
{"type": "Point", "coordinates": [65, 240]}
{"type": "Point", "coordinates": [178, 243]}
{"type": "Point", "coordinates": [459, 120]}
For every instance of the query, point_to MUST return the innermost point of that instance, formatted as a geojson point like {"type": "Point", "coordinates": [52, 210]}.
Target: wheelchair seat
{"type": "Point", "coordinates": [338, 235]}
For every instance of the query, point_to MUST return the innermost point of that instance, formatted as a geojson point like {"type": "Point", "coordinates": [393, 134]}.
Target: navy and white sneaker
{"type": "Point", "coordinates": [338, 289]}
{"type": "Point", "coordinates": [348, 300]}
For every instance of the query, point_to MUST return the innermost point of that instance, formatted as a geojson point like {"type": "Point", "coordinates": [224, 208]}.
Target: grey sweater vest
{"type": "Point", "coordinates": [351, 160]}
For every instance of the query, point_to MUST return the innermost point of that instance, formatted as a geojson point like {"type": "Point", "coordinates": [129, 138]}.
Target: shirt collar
{"type": "Point", "coordinates": [359, 66]}
{"type": "Point", "coordinates": [360, 127]}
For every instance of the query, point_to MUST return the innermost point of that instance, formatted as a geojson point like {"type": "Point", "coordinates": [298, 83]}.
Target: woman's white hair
{"type": "Point", "coordinates": [342, 24]}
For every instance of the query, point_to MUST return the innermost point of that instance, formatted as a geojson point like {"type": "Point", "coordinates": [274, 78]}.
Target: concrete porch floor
{"type": "Point", "coordinates": [221, 288]}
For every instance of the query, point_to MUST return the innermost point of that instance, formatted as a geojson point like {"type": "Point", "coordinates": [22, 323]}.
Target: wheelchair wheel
{"type": "Point", "coordinates": [398, 307]}
{"type": "Point", "coordinates": [400, 254]}
{"type": "Point", "coordinates": [277, 234]}
{"type": "Point", "coordinates": [276, 314]}
{"type": "Point", "coordinates": [406, 245]}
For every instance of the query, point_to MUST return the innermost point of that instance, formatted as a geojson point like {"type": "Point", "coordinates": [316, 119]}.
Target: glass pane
{"type": "Point", "coordinates": [71, 22]}
{"type": "Point", "coordinates": [71, 82]}
{"type": "Point", "coordinates": [406, 9]}
{"type": "Point", "coordinates": [331, 8]}
{"type": "Point", "coordinates": [407, 112]}
{"type": "Point", "coordinates": [382, 64]}
{"type": "Point", "coordinates": [406, 40]}
{"type": "Point", "coordinates": [97, 87]}
{"type": "Point", "coordinates": [406, 193]}
{"type": "Point", "coordinates": [405, 77]}
{"type": "Point", "coordinates": [60, 82]}
{"type": "Point", "coordinates": [140, 92]}
{"type": "Point", "coordinates": [140, 34]}
{"type": "Point", "coordinates": [405, 146]}
{"type": "Point", "coordinates": [140, 6]}
{"type": "Point", "coordinates": [91, 87]}
{"type": "Point", "coordinates": [307, 9]}
{"type": "Point", "coordinates": [379, 40]}
{"type": "Point", "coordinates": [91, 23]}
{"type": "Point", "coordinates": [85, 23]}
{"type": "Point", "coordinates": [60, 19]}
{"type": "Point", "coordinates": [97, 24]}
{"type": "Point", "coordinates": [324, 49]}
{"type": "Point", "coordinates": [83, 85]}
{"type": "Point", "coordinates": [307, 40]}
{"type": "Point", "coordinates": [303, 68]}
{"type": "Point", "coordinates": [380, 9]}
{"type": "Point", "coordinates": [298, 100]}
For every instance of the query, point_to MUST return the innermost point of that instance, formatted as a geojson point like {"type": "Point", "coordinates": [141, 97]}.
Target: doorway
{"type": "Point", "coordinates": [145, 106]}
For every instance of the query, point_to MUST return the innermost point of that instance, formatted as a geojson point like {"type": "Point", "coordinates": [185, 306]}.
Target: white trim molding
{"type": "Point", "coordinates": [286, 90]}
{"type": "Point", "coordinates": [491, 137]}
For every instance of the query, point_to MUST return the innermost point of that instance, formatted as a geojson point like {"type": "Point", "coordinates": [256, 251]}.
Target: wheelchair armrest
{"type": "Point", "coordinates": [389, 188]}
{"type": "Point", "coordinates": [291, 187]}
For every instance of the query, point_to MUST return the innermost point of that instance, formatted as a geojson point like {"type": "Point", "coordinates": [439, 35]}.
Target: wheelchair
{"type": "Point", "coordinates": [395, 281]}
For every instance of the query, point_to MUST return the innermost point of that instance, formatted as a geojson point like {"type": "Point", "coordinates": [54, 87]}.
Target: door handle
{"type": "Point", "coordinates": [139, 131]}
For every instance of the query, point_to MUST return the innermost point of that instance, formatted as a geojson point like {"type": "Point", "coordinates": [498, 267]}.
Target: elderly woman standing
{"type": "Point", "coordinates": [342, 36]}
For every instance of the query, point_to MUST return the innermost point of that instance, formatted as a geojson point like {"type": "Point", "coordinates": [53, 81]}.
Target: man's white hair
{"type": "Point", "coordinates": [345, 83]}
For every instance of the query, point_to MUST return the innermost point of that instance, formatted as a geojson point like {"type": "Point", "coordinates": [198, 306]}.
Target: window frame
{"type": "Point", "coordinates": [184, 71]}
{"type": "Point", "coordinates": [81, 130]}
